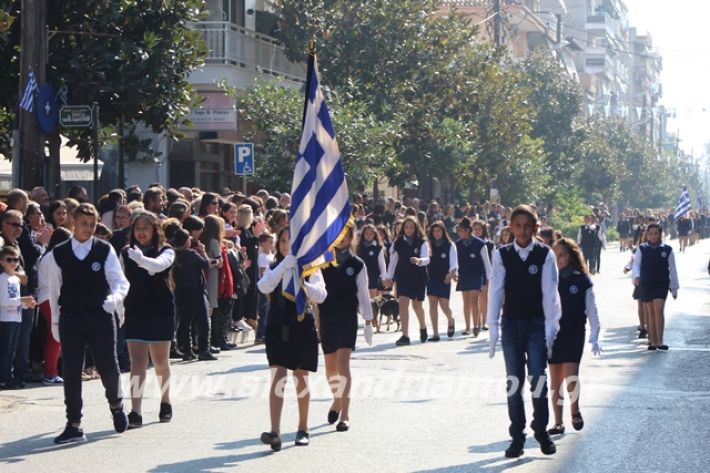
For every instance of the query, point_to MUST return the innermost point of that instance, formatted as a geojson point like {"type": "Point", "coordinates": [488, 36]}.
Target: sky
{"type": "Point", "coordinates": [679, 29]}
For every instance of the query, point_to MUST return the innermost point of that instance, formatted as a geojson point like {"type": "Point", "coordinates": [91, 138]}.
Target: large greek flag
{"type": "Point", "coordinates": [320, 208]}
{"type": "Point", "coordinates": [683, 205]}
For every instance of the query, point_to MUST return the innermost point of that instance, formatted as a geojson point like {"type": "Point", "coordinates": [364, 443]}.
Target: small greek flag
{"type": "Point", "coordinates": [28, 96]}
{"type": "Point", "coordinates": [320, 208]}
{"type": "Point", "coordinates": [683, 205]}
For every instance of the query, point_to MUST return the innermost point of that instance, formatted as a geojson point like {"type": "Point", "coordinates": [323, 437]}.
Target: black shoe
{"type": "Point", "coordinates": [333, 417]}
{"type": "Point", "coordinates": [258, 341]}
{"type": "Point", "coordinates": [343, 426]}
{"type": "Point", "coordinates": [302, 438]}
{"type": "Point", "coordinates": [34, 378]}
{"type": "Point", "coordinates": [663, 347]}
{"type": "Point", "coordinates": [206, 356]}
{"type": "Point", "coordinates": [643, 333]}
{"type": "Point", "coordinates": [15, 384]}
{"type": "Point", "coordinates": [577, 421]}
{"type": "Point", "coordinates": [224, 347]}
{"type": "Point", "coordinates": [476, 331]}
{"type": "Point", "coordinates": [135, 420]}
{"type": "Point", "coordinates": [189, 356]}
{"type": "Point", "coordinates": [652, 348]}
{"type": "Point", "coordinates": [120, 421]}
{"type": "Point", "coordinates": [176, 354]}
{"type": "Point", "coordinates": [451, 330]}
{"type": "Point", "coordinates": [515, 449]}
{"type": "Point", "coordinates": [273, 439]}
{"type": "Point", "coordinates": [423, 335]}
{"type": "Point", "coordinates": [214, 350]}
{"type": "Point", "coordinates": [166, 412]}
{"type": "Point", "coordinates": [547, 446]}
{"type": "Point", "coordinates": [484, 328]}
{"type": "Point", "coordinates": [71, 434]}
{"type": "Point", "coordinates": [557, 429]}
{"type": "Point", "coordinates": [402, 341]}
{"type": "Point", "coordinates": [231, 346]}
{"type": "Point", "coordinates": [435, 338]}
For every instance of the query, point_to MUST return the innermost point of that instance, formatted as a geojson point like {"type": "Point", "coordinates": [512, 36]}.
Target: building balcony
{"type": "Point", "coordinates": [603, 23]}
{"type": "Point", "coordinates": [235, 46]}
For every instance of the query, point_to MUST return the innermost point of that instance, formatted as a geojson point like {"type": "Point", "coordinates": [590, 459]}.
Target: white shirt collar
{"type": "Point", "coordinates": [77, 244]}
{"type": "Point", "coordinates": [525, 249]}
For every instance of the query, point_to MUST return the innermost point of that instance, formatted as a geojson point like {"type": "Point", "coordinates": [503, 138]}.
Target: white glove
{"type": "Point", "coordinates": [492, 339]}
{"type": "Point", "coordinates": [368, 334]}
{"type": "Point", "coordinates": [596, 349]}
{"type": "Point", "coordinates": [135, 254]}
{"type": "Point", "coordinates": [55, 331]}
{"type": "Point", "coordinates": [109, 304]}
{"type": "Point", "coordinates": [674, 293]}
{"type": "Point", "coordinates": [290, 262]}
{"type": "Point", "coordinates": [549, 353]}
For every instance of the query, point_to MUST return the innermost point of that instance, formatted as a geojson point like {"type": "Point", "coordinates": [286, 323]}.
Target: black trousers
{"type": "Point", "coordinates": [220, 321]}
{"type": "Point", "coordinates": [97, 329]}
{"type": "Point", "coordinates": [191, 305]}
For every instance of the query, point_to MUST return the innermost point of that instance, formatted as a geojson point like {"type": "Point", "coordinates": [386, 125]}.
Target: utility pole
{"type": "Point", "coordinates": [33, 45]}
{"type": "Point", "coordinates": [496, 23]}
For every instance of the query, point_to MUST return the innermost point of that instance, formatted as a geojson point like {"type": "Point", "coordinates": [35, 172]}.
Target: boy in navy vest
{"type": "Point", "coordinates": [525, 276]}
{"type": "Point", "coordinates": [85, 284]}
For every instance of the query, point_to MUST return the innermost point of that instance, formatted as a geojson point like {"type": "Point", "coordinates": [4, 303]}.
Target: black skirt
{"type": "Point", "coordinates": [337, 332]}
{"type": "Point", "coordinates": [650, 292]}
{"type": "Point", "coordinates": [294, 347]}
{"type": "Point", "coordinates": [569, 345]}
{"type": "Point", "coordinates": [139, 326]}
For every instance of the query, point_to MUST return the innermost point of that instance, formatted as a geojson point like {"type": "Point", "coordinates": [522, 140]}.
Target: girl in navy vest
{"type": "Point", "coordinates": [150, 311]}
{"type": "Point", "coordinates": [578, 305]}
{"type": "Point", "coordinates": [409, 258]}
{"type": "Point", "coordinates": [442, 270]}
{"type": "Point", "coordinates": [347, 287]}
{"type": "Point", "coordinates": [371, 251]}
{"type": "Point", "coordinates": [290, 344]}
{"type": "Point", "coordinates": [480, 230]}
{"type": "Point", "coordinates": [474, 269]}
{"type": "Point", "coordinates": [655, 272]}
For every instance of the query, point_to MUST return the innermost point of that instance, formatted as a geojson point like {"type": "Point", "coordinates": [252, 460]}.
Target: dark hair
{"type": "Point", "coordinates": [151, 194]}
{"type": "Point", "coordinates": [655, 225]}
{"type": "Point", "coordinates": [266, 236]}
{"type": "Point", "coordinates": [465, 223]}
{"type": "Point", "coordinates": [576, 259]}
{"type": "Point", "coordinates": [361, 240]}
{"type": "Point", "coordinates": [279, 257]}
{"type": "Point", "coordinates": [87, 210]}
{"type": "Point", "coordinates": [10, 250]}
{"type": "Point", "coordinates": [59, 235]}
{"type": "Point", "coordinates": [193, 223]}
{"type": "Point", "coordinates": [158, 235]}
{"type": "Point", "coordinates": [170, 226]}
{"type": "Point", "coordinates": [418, 230]}
{"type": "Point", "coordinates": [207, 199]}
{"type": "Point", "coordinates": [524, 210]}
{"type": "Point", "coordinates": [548, 233]}
{"type": "Point", "coordinates": [438, 224]}
{"type": "Point", "coordinates": [103, 230]}
{"type": "Point", "coordinates": [178, 209]}
{"type": "Point", "coordinates": [57, 204]}
{"type": "Point", "coordinates": [483, 224]}
{"type": "Point", "coordinates": [213, 226]}
{"type": "Point", "coordinates": [179, 237]}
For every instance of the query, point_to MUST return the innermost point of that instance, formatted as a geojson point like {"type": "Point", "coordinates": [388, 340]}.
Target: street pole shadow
{"type": "Point", "coordinates": [14, 452]}
{"type": "Point", "coordinates": [492, 465]}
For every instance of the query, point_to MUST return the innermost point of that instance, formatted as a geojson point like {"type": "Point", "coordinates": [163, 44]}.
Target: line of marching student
{"type": "Point", "coordinates": [548, 298]}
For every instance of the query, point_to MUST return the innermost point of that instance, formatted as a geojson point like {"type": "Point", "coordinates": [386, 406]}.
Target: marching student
{"type": "Point", "coordinates": [474, 269]}
{"type": "Point", "coordinates": [641, 307]}
{"type": "Point", "coordinates": [655, 272]}
{"type": "Point", "coordinates": [348, 291]}
{"type": "Point", "coordinates": [480, 230]}
{"type": "Point", "coordinates": [578, 304]}
{"type": "Point", "coordinates": [290, 344]}
{"type": "Point", "coordinates": [442, 270]}
{"type": "Point", "coordinates": [85, 284]}
{"type": "Point", "coordinates": [409, 257]}
{"type": "Point", "coordinates": [149, 311]}
{"type": "Point", "coordinates": [371, 251]}
{"type": "Point", "coordinates": [11, 305]}
{"type": "Point", "coordinates": [525, 276]}
{"type": "Point", "coordinates": [588, 239]}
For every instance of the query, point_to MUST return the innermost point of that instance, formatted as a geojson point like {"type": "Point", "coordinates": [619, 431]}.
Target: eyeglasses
{"type": "Point", "coordinates": [12, 260]}
{"type": "Point", "coordinates": [14, 224]}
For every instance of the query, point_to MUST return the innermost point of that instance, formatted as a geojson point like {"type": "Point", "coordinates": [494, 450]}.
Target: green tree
{"type": "Point", "coordinates": [131, 57]}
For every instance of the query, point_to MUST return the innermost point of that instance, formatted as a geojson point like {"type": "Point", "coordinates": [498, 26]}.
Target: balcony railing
{"type": "Point", "coordinates": [231, 44]}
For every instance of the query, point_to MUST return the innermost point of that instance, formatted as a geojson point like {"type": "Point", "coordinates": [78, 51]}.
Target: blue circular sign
{"type": "Point", "coordinates": [47, 108]}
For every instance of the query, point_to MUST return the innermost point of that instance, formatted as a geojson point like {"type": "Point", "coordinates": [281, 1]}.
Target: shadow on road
{"type": "Point", "coordinates": [14, 452]}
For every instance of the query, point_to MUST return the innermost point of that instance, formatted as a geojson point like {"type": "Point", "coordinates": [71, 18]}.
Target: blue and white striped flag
{"type": "Point", "coordinates": [28, 96]}
{"type": "Point", "coordinates": [683, 205]}
{"type": "Point", "coordinates": [320, 208]}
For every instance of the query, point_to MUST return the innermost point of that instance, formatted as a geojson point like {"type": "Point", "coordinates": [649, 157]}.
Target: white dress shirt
{"type": "Point", "coordinates": [593, 315]}
{"type": "Point", "coordinates": [550, 297]}
{"type": "Point", "coordinates": [394, 258]}
{"type": "Point", "coordinates": [636, 268]}
{"type": "Point", "coordinates": [52, 279]}
{"type": "Point", "coordinates": [155, 265]}
{"type": "Point", "coordinates": [314, 284]}
{"type": "Point", "coordinates": [363, 294]}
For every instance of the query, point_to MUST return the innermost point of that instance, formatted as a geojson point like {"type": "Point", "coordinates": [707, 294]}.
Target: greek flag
{"type": "Point", "coordinates": [320, 208]}
{"type": "Point", "coordinates": [683, 205]}
{"type": "Point", "coordinates": [28, 96]}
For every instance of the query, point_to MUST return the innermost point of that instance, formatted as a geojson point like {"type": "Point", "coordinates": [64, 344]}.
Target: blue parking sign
{"type": "Point", "coordinates": [244, 159]}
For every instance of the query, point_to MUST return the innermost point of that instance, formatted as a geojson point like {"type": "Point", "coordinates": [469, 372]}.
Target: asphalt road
{"type": "Point", "coordinates": [423, 408]}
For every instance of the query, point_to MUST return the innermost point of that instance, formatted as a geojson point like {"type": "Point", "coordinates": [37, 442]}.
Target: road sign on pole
{"type": "Point", "coordinates": [76, 116]}
{"type": "Point", "coordinates": [244, 159]}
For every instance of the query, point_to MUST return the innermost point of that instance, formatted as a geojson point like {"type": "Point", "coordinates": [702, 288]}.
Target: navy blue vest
{"type": "Point", "coordinates": [406, 271]}
{"type": "Point", "coordinates": [523, 281]}
{"type": "Point", "coordinates": [439, 261]}
{"type": "Point", "coordinates": [84, 285]}
{"type": "Point", "coordinates": [573, 287]}
{"type": "Point", "coordinates": [654, 264]}
{"type": "Point", "coordinates": [590, 236]}
{"type": "Point", "coordinates": [341, 284]}
{"type": "Point", "coordinates": [470, 262]}
{"type": "Point", "coordinates": [369, 255]}
{"type": "Point", "coordinates": [152, 295]}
